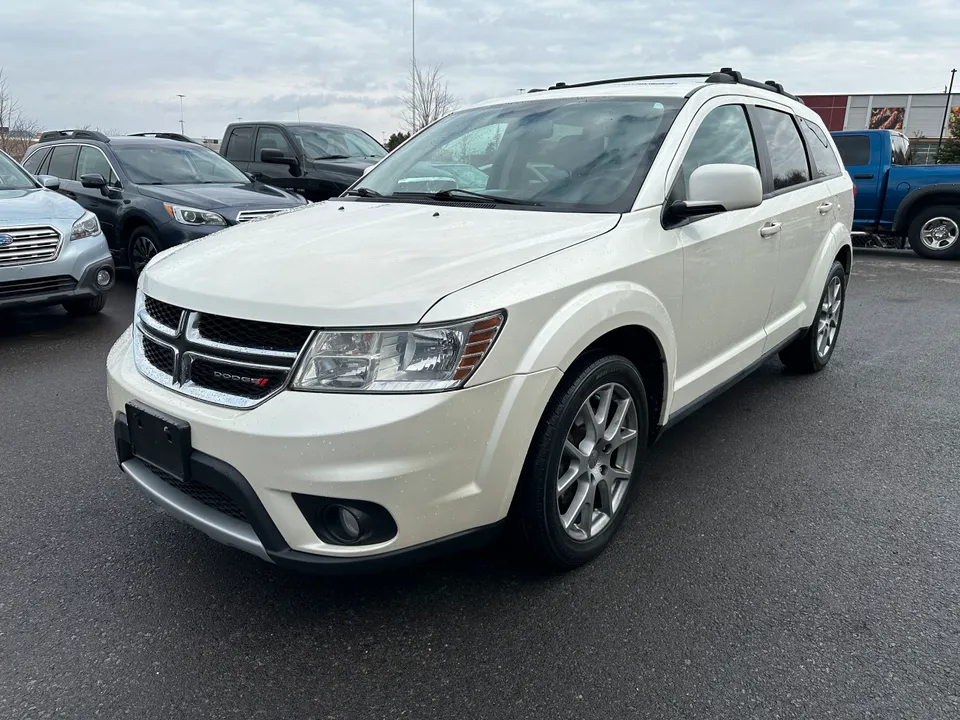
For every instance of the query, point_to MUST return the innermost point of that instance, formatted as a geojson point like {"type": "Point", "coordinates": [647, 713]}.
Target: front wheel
{"type": "Point", "coordinates": [582, 468]}
{"type": "Point", "coordinates": [142, 248]}
{"type": "Point", "coordinates": [935, 233]}
{"type": "Point", "coordinates": [811, 352]}
{"type": "Point", "coordinates": [87, 306]}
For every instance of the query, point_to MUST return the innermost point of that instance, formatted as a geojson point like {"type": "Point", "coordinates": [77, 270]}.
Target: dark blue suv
{"type": "Point", "coordinates": [152, 190]}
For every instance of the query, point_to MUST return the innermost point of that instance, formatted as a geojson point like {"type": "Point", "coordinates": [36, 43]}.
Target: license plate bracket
{"type": "Point", "coordinates": [160, 439]}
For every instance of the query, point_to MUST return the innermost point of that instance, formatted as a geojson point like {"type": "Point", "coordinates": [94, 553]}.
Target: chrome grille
{"type": "Point", "coordinates": [221, 360]}
{"type": "Point", "coordinates": [29, 245]}
{"type": "Point", "coordinates": [251, 215]}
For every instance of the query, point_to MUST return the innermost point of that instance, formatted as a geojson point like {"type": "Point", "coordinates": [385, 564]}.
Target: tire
{"type": "Point", "coordinates": [935, 233]}
{"type": "Point", "coordinates": [539, 505]}
{"type": "Point", "coordinates": [139, 252]}
{"type": "Point", "coordinates": [807, 354]}
{"type": "Point", "coordinates": [87, 306]}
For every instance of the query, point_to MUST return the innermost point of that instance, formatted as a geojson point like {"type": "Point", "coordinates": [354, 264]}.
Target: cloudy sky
{"type": "Point", "coordinates": [119, 64]}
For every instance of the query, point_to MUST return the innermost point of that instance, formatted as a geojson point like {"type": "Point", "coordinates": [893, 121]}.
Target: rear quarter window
{"type": "Point", "coordinates": [32, 163]}
{"type": "Point", "coordinates": [854, 149]}
{"type": "Point", "coordinates": [819, 148]}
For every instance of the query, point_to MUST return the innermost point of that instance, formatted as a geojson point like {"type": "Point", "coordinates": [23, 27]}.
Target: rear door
{"type": "Point", "coordinates": [63, 164]}
{"type": "Point", "coordinates": [804, 206]}
{"type": "Point", "coordinates": [863, 163]}
{"type": "Point", "coordinates": [238, 146]}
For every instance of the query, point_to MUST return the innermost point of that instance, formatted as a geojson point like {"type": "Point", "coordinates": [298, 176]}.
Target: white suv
{"type": "Point", "coordinates": [493, 323]}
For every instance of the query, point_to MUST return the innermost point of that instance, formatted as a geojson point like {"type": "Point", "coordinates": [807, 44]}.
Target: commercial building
{"type": "Point", "coordinates": [919, 116]}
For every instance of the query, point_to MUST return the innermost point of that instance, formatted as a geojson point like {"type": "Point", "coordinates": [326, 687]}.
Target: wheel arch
{"type": "Point", "coordinates": [131, 221]}
{"type": "Point", "coordinates": [921, 199]}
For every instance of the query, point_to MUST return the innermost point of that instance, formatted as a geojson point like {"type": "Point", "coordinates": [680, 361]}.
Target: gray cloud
{"type": "Point", "coordinates": [120, 63]}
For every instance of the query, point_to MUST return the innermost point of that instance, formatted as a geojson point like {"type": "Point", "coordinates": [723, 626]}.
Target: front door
{"type": "Point", "coordinates": [729, 263]}
{"type": "Point", "coordinates": [93, 161]}
{"type": "Point", "coordinates": [273, 138]}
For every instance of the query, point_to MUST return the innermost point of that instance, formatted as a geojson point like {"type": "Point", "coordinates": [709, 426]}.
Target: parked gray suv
{"type": "Point", "coordinates": [52, 251]}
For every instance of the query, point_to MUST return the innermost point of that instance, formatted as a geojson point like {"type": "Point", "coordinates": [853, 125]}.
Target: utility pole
{"type": "Point", "coordinates": [181, 113]}
{"type": "Point", "coordinates": [946, 109]}
{"type": "Point", "coordinates": [413, 66]}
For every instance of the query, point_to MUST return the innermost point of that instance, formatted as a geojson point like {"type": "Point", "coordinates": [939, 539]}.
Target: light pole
{"type": "Point", "coordinates": [181, 113]}
{"type": "Point", "coordinates": [946, 110]}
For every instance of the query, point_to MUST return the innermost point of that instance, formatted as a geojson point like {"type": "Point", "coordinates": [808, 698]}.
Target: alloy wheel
{"type": "Point", "coordinates": [939, 233]}
{"type": "Point", "coordinates": [828, 321]}
{"type": "Point", "coordinates": [142, 251]}
{"type": "Point", "coordinates": [599, 452]}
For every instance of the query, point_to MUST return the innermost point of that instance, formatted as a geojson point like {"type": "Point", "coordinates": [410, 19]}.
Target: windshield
{"type": "Point", "coordinates": [571, 154]}
{"type": "Point", "coordinates": [12, 176]}
{"type": "Point", "coordinates": [169, 165]}
{"type": "Point", "coordinates": [319, 143]}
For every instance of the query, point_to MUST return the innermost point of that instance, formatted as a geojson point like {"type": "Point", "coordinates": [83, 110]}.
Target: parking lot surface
{"type": "Point", "coordinates": [794, 552]}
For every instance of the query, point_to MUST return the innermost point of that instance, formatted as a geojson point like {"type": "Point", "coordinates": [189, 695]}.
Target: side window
{"type": "Point", "coordinates": [93, 161]}
{"type": "Point", "coordinates": [32, 164]}
{"type": "Point", "coordinates": [724, 136]}
{"type": "Point", "coordinates": [240, 144]}
{"type": "Point", "coordinates": [820, 150]}
{"type": "Point", "coordinates": [787, 156]}
{"type": "Point", "coordinates": [63, 161]}
{"type": "Point", "coordinates": [854, 149]}
{"type": "Point", "coordinates": [269, 137]}
{"type": "Point", "coordinates": [899, 150]}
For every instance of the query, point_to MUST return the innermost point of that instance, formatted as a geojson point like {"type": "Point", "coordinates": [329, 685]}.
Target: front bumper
{"type": "Point", "coordinates": [72, 276]}
{"type": "Point", "coordinates": [443, 465]}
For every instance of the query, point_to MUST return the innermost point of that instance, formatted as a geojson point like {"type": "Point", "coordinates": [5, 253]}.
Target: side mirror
{"type": "Point", "coordinates": [49, 182]}
{"type": "Point", "coordinates": [367, 169]}
{"type": "Point", "coordinates": [275, 156]}
{"type": "Point", "coordinates": [720, 188]}
{"type": "Point", "coordinates": [93, 181]}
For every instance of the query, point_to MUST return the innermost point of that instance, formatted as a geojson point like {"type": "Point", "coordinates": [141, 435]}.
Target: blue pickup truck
{"type": "Point", "coordinates": [897, 203]}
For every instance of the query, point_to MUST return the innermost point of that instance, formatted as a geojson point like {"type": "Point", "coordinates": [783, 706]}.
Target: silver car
{"type": "Point", "coordinates": [52, 251]}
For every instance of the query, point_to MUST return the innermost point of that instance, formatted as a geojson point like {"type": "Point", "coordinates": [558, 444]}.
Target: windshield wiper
{"type": "Point", "coordinates": [333, 157]}
{"type": "Point", "coordinates": [451, 193]}
{"type": "Point", "coordinates": [364, 192]}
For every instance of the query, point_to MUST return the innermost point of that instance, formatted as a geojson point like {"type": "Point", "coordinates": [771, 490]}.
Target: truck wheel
{"type": "Point", "coordinates": [935, 232]}
{"type": "Point", "coordinates": [583, 466]}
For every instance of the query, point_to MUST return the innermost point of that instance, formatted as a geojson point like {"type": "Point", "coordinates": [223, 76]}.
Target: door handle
{"type": "Point", "coordinates": [863, 176]}
{"type": "Point", "coordinates": [825, 208]}
{"type": "Point", "coordinates": [770, 229]}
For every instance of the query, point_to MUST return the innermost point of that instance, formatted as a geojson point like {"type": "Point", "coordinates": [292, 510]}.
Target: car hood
{"type": "Point", "coordinates": [351, 167]}
{"type": "Point", "coordinates": [37, 205]}
{"type": "Point", "coordinates": [221, 196]}
{"type": "Point", "coordinates": [356, 264]}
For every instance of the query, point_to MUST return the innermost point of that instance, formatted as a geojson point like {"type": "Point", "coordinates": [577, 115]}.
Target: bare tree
{"type": "Point", "coordinates": [17, 131]}
{"type": "Point", "coordinates": [428, 98]}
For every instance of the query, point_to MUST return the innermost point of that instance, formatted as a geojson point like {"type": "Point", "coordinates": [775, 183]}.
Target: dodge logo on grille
{"type": "Point", "coordinates": [259, 382]}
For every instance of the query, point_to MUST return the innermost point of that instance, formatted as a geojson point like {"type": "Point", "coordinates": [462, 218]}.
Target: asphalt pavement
{"type": "Point", "coordinates": [793, 553]}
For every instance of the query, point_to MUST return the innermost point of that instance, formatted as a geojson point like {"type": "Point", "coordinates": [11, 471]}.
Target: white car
{"type": "Point", "coordinates": [395, 373]}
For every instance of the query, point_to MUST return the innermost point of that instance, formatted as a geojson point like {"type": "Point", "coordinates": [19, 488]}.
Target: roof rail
{"type": "Point", "coordinates": [51, 135]}
{"type": "Point", "coordinates": [614, 81]}
{"type": "Point", "coordinates": [164, 136]}
{"type": "Point", "coordinates": [731, 76]}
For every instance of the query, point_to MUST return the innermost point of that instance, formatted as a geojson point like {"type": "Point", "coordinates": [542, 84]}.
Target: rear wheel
{"type": "Point", "coordinates": [143, 246]}
{"type": "Point", "coordinates": [935, 233]}
{"type": "Point", "coordinates": [580, 474]}
{"type": "Point", "coordinates": [86, 306]}
{"type": "Point", "coordinates": [811, 352]}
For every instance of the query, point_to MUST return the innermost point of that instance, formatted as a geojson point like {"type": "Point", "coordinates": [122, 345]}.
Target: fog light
{"type": "Point", "coordinates": [103, 277]}
{"type": "Point", "coordinates": [344, 524]}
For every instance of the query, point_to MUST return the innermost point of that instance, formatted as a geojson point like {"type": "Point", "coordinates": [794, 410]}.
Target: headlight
{"type": "Point", "coordinates": [86, 226]}
{"type": "Point", "coordinates": [402, 360]}
{"type": "Point", "coordinates": [193, 216]}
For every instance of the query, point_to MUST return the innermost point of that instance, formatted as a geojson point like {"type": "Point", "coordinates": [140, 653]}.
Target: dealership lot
{"type": "Point", "coordinates": [794, 552]}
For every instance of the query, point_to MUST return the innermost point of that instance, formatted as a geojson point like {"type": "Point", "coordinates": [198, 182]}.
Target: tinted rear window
{"type": "Point", "coordinates": [32, 164]}
{"type": "Point", "coordinates": [854, 149]}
